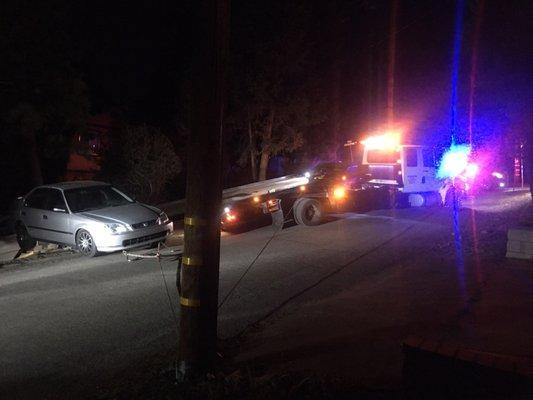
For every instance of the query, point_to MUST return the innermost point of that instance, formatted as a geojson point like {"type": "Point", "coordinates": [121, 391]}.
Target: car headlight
{"type": "Point", "coordinates": [163, 218]}
{"type": "Point", "coordinates": [116, 228]}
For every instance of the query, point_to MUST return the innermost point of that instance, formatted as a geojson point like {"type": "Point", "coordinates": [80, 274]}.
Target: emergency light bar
{"type": "Point", "coordinates": [387, 141]}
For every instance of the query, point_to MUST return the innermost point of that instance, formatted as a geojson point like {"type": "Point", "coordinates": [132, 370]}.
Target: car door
{"type": "Point", "coordinates": [31, 213]}
{"type": "Point", "coordinates": [411, 169]}
{"type": "Point", "coordinates": [430, 170]}
{"type": "Point", "coordinates": [56, 218]}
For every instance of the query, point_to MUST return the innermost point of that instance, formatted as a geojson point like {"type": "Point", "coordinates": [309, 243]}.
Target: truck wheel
{"type": "Point", "coordinates": [25, 241]}
{"type": "Point", "coordinates": [308, 212]}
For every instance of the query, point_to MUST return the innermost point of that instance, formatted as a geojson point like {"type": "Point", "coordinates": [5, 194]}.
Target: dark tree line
{"type": "Point", "coordinates": [304, 77]}
{"type": "Point", "coordinates": [43, 98]}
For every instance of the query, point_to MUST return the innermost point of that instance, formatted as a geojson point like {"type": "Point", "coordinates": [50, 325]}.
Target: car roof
{"type": "Point", "coordinates": [74, 185]}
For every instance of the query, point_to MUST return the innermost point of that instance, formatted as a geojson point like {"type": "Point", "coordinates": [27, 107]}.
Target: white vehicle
{"type": "Point", "coordinates": [408, 170]}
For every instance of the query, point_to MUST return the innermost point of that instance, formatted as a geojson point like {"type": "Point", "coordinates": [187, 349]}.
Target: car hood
{"type": "Point", "coordinates": [127, 214]}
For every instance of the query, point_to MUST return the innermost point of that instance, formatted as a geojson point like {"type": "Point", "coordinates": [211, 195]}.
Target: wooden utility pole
{"type": "Point", "coordinates": [201, 253]}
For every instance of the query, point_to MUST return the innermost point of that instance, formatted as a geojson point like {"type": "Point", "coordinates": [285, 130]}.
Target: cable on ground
{"type": "Point", "coordinates": [230, 292]}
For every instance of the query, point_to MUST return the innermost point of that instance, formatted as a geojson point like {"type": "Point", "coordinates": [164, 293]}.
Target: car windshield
{"type": "Point", "coordinates": [94, 198]}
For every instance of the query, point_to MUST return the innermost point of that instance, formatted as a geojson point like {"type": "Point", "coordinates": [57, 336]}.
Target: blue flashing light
{"type": "Point", "coordinates": [454, 161]}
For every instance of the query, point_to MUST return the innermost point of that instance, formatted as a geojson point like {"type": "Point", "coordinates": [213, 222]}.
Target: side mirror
{"type": "Point", "coordinates": [59, 210]}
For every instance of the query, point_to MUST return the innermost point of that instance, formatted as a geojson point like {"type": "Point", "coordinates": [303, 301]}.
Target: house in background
{"type": "Point", "coordinates": [86, 149]}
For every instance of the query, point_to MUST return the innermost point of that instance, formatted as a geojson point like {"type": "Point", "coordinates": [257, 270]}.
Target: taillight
{"type": "Point", "coordinates": [231, 217]}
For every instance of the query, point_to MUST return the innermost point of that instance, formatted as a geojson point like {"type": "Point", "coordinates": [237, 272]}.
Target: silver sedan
{"type": "Point", "coordinates": [90, 216]}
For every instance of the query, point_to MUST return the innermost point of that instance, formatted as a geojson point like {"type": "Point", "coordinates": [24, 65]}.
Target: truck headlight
{"type": "Point", "coordinates": [339, 192]}
{"type": "Point", "coordinates": [116, 228]}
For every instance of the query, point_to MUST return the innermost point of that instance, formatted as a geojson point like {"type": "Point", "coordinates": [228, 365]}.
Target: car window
{"type": "Point", "coordinates": [411, 157]}
{"type": "Point", "coordinates": [55, 200]}
{"type": "Point", "coordinates": [37, 199]}
{"type": "Point", "coordinates": [94, 198]}
{"type": "Point", "coordinates": [429, 159]}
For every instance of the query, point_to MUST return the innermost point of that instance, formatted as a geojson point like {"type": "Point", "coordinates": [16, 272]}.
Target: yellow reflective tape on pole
{"type": "Point", "coordinates": [192, 221]}
{"type": "Point", "coordinates": [184, 301]}
{"type": "Point", "coordinates": [192, 261]}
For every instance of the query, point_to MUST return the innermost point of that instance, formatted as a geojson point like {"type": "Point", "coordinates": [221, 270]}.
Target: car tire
{"type": "Point", "coordinates": [308, 212]}
{"type": "Point", "coordinates": [25, 241]}
{"type": "Point", "coordinates": [85, 243]}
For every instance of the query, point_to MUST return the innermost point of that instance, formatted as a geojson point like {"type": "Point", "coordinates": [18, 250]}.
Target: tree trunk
{"type": "Point", "coordinates": [265, 153]}
{"type": "Point", "coordinates": [252, 151]}
{"type": "Point", "coordinates": [265, 156]}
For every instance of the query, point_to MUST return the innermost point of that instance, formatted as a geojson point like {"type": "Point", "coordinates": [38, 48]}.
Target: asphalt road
{"type": "Point", "coordinates": [69, 320]}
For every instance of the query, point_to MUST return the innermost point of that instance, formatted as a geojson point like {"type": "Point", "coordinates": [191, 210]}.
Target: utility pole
{"type": "Point", "coordinates": [392, 63]}
{"type": "Point", "coordinates": [201, 253]}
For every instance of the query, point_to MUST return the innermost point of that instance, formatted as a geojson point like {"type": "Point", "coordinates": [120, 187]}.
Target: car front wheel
{"type": "Point", "coordinates": [85, 243]}
{"type": "Point", "coordinates": [25, 241]}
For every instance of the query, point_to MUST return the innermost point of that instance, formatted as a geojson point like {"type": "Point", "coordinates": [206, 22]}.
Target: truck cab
{"type": "Point", "coordinates": [418, 169]}
{"type": "Point", "coordinates": [409, 170]}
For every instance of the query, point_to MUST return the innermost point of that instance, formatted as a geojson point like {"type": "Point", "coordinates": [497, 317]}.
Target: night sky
{"type": "Point", "coordinates": [136, 58]}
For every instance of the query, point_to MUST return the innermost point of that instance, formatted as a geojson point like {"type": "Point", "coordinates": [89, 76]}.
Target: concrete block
{"type": "Point", "coordinates": [514, 246]}
{"type": "Point", "coordinates": [522, 256]}
{"type": "Point", "coordinates": [527, 248]}
{"type": "Point", "coordinates": [521, 234]}
{"type": "Point", "coordinates": [470, 375]}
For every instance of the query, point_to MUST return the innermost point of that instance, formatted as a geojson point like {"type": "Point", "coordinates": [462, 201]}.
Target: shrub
{"type": "Point", "coordinates": [142, 162]}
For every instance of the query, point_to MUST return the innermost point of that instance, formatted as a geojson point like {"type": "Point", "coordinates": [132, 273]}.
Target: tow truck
{"type": "Point", "coordinates": [406, 173]}
{"type": "Point", "coordinates": [305, 198]}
